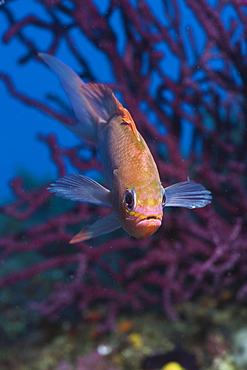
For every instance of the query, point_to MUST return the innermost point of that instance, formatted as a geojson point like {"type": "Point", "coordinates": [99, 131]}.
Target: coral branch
{"type": "Point", "coordinates": [171, 80]}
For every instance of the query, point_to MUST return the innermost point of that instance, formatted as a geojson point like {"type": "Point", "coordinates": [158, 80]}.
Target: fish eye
{"type": "Point", "coordinates": [129, 199]}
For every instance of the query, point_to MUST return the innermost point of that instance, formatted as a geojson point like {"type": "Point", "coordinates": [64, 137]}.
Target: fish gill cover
{"type": "Point", "coordinates": [176, 75]}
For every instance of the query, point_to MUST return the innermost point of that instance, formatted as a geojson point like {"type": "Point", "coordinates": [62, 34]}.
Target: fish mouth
{"type": "Point", "coordinates": [149, 221]}
{"type": "Point", "coordinates": [147, 226]}
{"type": "Point", "coordinates": [151, 218]}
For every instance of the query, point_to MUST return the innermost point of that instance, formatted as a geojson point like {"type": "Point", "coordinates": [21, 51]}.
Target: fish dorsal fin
{"type": "Point", "coordinates": [92, 103]}
{"type": "Point", "coordinates": [105, 103]}
{"type": "Point", "coordinates": [129, 121]}
{"type": "Point", "coordinates": [100, 101]}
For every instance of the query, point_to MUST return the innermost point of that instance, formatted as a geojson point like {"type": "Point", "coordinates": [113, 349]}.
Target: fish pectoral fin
{"type": "Point", "coordinates": [187, 194]}
{"type": "Point", "coordinates": [102, 226]}
{"type": "Point", "coordinates": [81, 188]}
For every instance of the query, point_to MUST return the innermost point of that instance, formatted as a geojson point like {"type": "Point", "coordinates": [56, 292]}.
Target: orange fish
{"type": "Point", "coordinates": [135, 192]}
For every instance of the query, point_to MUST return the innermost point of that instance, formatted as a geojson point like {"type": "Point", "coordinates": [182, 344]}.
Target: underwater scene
{"type": "Point", "coordinates": [123, 193]}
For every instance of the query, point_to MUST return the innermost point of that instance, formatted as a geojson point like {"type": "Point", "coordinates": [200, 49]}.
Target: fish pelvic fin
{"type": "Point", "coordinates": [81, 188]}
{"type": "Point", "coordinates": [102, 226]}
{"type": "Point", "coordinates": [188, 194]}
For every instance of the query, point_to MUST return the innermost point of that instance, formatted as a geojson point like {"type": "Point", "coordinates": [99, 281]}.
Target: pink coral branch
{"type": "Point", "coordinates": [195, 252]}
{"type": "Point", "coordinates": [34, 103]}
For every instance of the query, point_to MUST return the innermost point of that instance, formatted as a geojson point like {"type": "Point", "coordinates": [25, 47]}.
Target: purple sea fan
{"type": "Point", "coordinates": [201, 252]}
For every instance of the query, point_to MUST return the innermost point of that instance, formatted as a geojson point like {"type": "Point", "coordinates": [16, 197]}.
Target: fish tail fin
{"type": "Point", "coordinates": [92, 103]}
